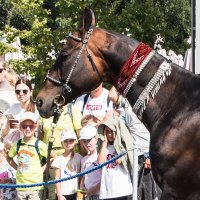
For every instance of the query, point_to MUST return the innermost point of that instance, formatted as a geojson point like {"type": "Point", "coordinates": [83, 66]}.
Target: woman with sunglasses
{"type": "Point", "coordinates": [23, 91]}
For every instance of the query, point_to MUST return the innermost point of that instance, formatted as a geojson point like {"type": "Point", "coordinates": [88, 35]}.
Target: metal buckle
{"type": "Point", "coordinates": [58, 101]}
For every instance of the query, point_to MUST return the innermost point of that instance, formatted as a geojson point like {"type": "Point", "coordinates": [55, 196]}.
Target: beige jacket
{"type": "Point", "coordinates": [123, 140]}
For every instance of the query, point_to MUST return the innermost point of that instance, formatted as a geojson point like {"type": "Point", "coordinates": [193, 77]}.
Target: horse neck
{"type": "Point", "coordinates": [174, 94]}
{"type": "Point", "coordinates": [114, 49]}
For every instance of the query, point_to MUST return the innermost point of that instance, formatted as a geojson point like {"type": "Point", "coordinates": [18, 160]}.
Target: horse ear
{"type": "Point", "coordinates": [88, 19]}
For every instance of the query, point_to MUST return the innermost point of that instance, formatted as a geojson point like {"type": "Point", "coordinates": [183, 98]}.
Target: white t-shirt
{"type": "Point", "coordinates": [16, 111]}
{"type": "Point", "coordinates": [67, 169]}
{"type": "Point", "coordinates": [7, 93]}
{"type": "Point", "coordinates": [9, 96]}
{"type": "Point", "coordinates": [93, 178]}
{"type": "Point", "coordinates": [95, 106]}
{"type": "Point", "coordinates": [115, 181]}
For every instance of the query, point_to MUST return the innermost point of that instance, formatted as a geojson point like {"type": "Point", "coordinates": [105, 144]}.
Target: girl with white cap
{"type": "Point", "coordinates": [66, 165]}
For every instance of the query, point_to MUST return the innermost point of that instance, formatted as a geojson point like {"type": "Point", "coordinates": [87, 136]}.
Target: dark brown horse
{"type": "Point", "coordinates": [169, 108]}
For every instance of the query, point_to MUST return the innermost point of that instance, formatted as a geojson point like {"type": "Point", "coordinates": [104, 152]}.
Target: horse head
{"type": "Point", "coordinates": [60, 86]}
{"type": "Point", "coordinates": [83, 63]}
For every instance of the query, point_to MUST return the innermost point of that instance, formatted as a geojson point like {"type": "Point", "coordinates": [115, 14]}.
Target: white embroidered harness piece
{"type": "Point", "coordinates": [152, 88]}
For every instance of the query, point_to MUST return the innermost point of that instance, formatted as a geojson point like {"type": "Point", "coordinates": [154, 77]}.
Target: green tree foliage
{"type": "Point", "coordinates": [43, 24]}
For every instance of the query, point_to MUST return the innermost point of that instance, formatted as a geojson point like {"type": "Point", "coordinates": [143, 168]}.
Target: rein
{"type": "Point", "coordinates": [57, 112]}
{"type": "Point", "coordinates": [65, 85]}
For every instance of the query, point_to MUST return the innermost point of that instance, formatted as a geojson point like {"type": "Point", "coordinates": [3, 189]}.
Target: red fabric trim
{"type": "Point", "coordinates": [131, 65]}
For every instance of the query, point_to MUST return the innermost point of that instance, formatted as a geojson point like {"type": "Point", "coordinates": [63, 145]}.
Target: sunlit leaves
{"type": "Point", "coordinates": [43, 24]}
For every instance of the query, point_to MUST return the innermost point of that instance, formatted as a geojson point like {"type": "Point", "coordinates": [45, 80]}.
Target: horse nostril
{"type": "Point", "coordinates": [39, 103]}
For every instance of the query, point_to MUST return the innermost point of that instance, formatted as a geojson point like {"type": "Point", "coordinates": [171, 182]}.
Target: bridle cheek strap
{"type": "Point", "coordinates": [94, 67]}
{"type": "Point", "coordinates": [65, 86]}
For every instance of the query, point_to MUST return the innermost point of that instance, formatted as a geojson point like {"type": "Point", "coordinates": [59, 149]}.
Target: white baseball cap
{"type": "Point", "coordinates": [68, 134]}
{"type": "Point", "coordinates": [1, 146]}
{"type": "Point", "coordinates": [29, 116]}
{"type": "Point", "coordinates": [88, 132]}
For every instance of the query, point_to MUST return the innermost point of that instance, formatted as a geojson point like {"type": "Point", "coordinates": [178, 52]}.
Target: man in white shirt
{"type": "Point", "coordinates": [96, 103]}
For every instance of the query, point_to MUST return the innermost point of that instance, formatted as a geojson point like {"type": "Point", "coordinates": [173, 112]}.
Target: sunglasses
{"type": "Point", "coordinates": [19, 91]}
{"type": "Point", "coordinates": [1, 70]}
{"type": "Point", "coordinates": [26, 126]}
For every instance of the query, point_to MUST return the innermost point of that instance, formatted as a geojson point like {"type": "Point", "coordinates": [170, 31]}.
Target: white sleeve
{"type": "Point", "coordinates": [79, 102]}
{"type": "Point", "coordinates": [57, 162]}
{"type": "Point", "coordinates": [110, 106]}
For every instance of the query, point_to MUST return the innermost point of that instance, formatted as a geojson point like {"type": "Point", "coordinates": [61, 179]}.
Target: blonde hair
{"type": "Point", "coordinates": [11, 77]}
{"type": "Point", "coordinates": [87, 119]}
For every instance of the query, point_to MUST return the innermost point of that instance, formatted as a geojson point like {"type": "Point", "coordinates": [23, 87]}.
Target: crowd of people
{"type": "Point", "coordinates": [90, 131]}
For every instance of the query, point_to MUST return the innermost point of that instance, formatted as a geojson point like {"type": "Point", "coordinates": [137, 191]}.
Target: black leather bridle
{"type": "Point", "coordinates": [64, 84]}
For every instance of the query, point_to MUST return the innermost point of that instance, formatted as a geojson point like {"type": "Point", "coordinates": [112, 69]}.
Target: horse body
{"type": "Point", "coordinates": [172, 116]}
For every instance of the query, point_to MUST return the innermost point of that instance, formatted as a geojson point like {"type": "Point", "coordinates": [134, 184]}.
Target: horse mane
{"type": "Point", "coordinates": [123, 38]}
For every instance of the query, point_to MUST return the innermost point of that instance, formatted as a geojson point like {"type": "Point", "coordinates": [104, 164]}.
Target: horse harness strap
{"type": "Point", "coordinates": [57, 113]}
{"type": "Point", "coordinates": [152, 88]}
{"type": "Point", "coordinates": [65, 85]}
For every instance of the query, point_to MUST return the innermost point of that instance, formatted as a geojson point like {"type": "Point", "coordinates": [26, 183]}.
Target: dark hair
{"type": "Point", "coordinates": [31, 105]}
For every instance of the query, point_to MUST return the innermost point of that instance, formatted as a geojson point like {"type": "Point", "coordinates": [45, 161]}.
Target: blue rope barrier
{"type": "Point", "coordinates": [63, 179]}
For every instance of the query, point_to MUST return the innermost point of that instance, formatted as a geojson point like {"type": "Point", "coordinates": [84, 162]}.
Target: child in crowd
{"type": "Point", "coordinates": [7, 175]}
{"type": "Point", "coordinates": [66, 165]}
{"type": "Point", "coordinates": [115, 181]}
{"type": "Point", "coordinates": [90, 182]}
{"type": "Point", "coordinates": [90, 119]}
{"type": "Point", "coordinates": [28, 151]}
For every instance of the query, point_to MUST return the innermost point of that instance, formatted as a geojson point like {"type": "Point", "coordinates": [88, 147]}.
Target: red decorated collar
{"type": "Point", "coordinates": [131, 65]}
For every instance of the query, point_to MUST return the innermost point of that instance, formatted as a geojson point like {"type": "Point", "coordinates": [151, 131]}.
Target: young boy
{"type": "Point", "coordinates": [29, 169]}
{"type": "Point", "coordinates": [91, 181]}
